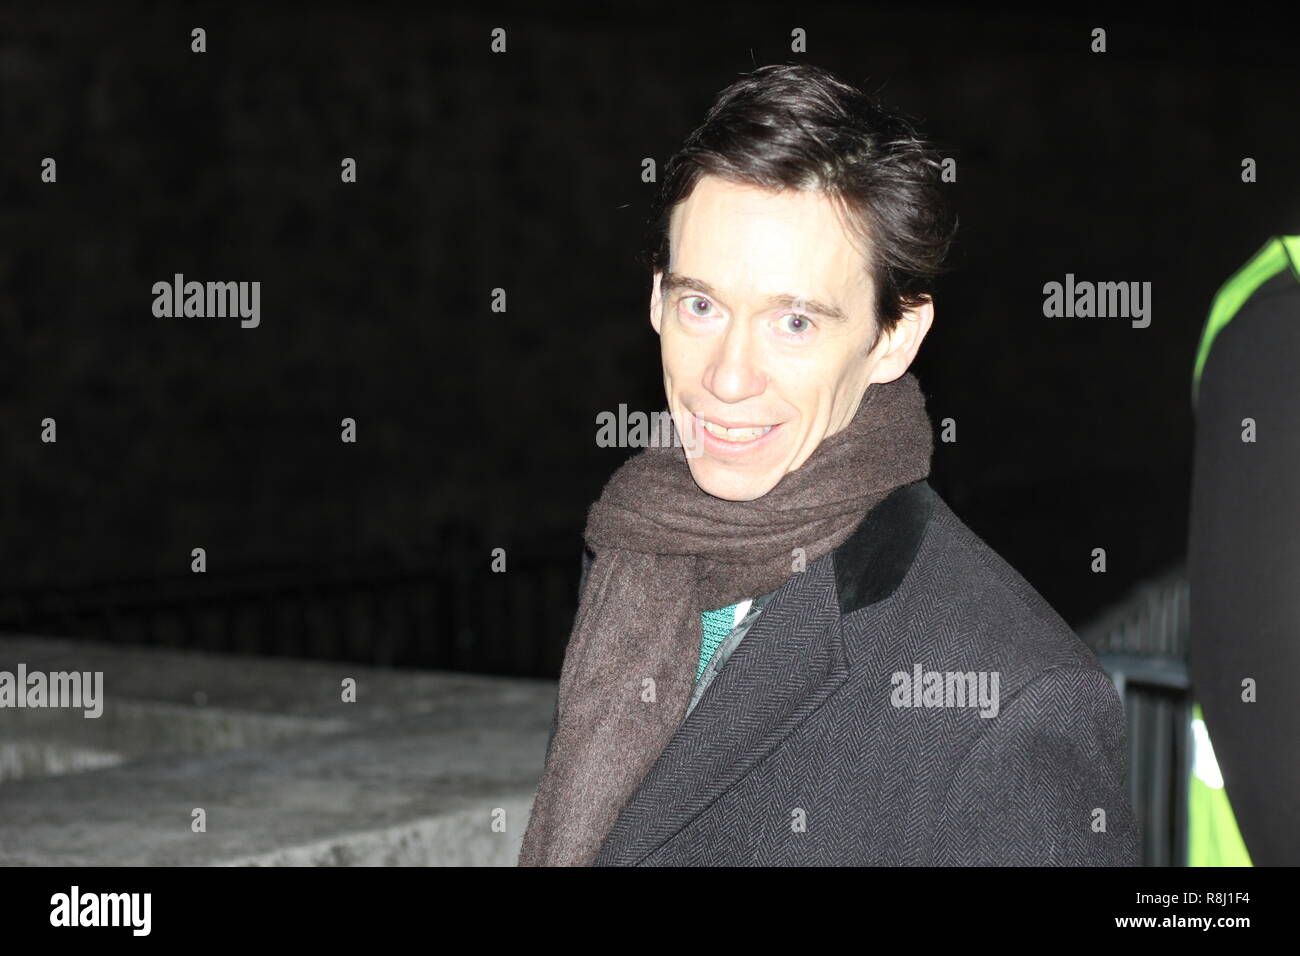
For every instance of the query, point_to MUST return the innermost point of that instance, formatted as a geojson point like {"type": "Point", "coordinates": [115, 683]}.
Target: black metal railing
{"type": "Point", "coordinates": [1143, 644]}
{"type": "Point", "coordinates": [461, 617]}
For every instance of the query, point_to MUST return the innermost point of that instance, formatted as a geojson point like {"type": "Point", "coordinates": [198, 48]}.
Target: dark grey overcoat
{"type": "Point", "coordinates": [907, 699]}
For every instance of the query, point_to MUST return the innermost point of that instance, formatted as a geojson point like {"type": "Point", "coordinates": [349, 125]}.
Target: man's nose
{"type": "Point", "coordinates": [733, 374]}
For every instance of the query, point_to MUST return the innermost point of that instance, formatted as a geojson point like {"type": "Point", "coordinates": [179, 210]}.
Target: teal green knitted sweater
{"type": "Point", "coordinates": [714, 627]}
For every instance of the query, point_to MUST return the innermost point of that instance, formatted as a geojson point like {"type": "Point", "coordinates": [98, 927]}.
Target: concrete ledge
{"type": "Point", "coordinates": [452, 839]}
{"type": "Point", "coordinates": [414, 773]}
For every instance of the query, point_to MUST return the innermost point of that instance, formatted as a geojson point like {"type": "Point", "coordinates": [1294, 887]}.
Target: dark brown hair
{"type": "Point", "coordinates": [797, 126]}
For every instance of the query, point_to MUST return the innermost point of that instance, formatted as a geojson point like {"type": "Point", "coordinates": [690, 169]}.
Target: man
{"type": "Point", "coordinates": [873, 685]}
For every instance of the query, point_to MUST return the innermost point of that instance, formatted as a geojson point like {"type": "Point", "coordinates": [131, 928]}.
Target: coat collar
{"type": "Point", "coordinates": [872, 563]}
{"type": "Point", "coordinates": [789, 663]}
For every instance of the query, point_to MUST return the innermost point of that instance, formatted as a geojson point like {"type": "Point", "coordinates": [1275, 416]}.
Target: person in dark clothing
{"type": "Point", "coordinates": [1244, 547]}
{"type": "Point", "coordinates": [902, 695]}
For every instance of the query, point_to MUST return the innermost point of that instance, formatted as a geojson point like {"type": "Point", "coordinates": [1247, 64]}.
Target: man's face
{"type": "Point", "coordinates": [780, 375]}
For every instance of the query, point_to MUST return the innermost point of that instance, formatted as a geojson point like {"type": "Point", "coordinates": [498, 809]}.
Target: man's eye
{"type": "Point", "coordinates": [692, 301]}
{"type": "Point", "coordinates": [795, 324]}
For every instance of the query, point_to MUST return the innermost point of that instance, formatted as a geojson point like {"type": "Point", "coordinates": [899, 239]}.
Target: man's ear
{"type": "Point", "coordinates": [655, 303]}
{"type": "Point", "coordinates": [899, 347]}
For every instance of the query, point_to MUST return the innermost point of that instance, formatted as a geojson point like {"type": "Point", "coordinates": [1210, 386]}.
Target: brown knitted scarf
{"type": "Point", "coordinates": [666, 551]}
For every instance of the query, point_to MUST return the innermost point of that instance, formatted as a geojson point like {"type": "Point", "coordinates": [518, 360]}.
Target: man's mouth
{"type": "Point", "coordinates": [739, 434]}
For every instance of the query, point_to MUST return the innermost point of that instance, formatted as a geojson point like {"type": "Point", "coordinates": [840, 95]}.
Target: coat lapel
{"type": "Point", "coordinates": [786, 667]}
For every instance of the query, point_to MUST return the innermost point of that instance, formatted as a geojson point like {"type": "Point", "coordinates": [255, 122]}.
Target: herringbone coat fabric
{"type": "Point", "coordinates": [800, 753]}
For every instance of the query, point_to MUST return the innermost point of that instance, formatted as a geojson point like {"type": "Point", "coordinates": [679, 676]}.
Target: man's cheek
{"type": "Point", "coordinates": [680, 362]}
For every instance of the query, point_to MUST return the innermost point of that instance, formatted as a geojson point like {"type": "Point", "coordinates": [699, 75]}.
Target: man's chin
{"type": "Point", "coordinates": [729, 485]}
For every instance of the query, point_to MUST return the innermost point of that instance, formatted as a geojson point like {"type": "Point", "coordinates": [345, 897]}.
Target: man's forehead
{"type": "Point", "coordinates": [745, 205]}
{"type": "Point", "coordinates": [740, 239]}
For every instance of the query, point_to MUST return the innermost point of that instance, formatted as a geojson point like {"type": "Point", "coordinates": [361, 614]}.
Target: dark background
{"type": "Point", "coordinates": [522, 171]}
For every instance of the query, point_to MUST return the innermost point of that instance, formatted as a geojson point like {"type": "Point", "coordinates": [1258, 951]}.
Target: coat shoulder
{"type": "Point", "coordinates": [961, 602]}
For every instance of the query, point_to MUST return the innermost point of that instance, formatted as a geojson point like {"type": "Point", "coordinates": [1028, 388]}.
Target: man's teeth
{"type": "Point", "coordinates": [736, 434]}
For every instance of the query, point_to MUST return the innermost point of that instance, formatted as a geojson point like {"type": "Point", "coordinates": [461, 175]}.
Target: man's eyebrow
{"type": "Point", "coordinates": [673, 282]}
